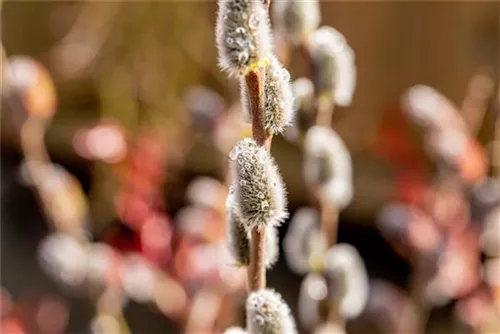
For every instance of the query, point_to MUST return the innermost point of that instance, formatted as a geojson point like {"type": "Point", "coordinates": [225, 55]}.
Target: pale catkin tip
{"type": "Point", "coordinates": [242, 35]}
{"type": "Point", "coordinates": [296, 243]}
{"type": "Point", "coordinates": [259, 192]}
{"type": "Point", "coordinates": [328, 165]}
{"type": "Point", "coordinates": [334, 65]}
{"type": "Point", "coordinates": [267, 313]}
{"type": "Point", "coordinates": [278, 97]}
{"type": "Point", "coordinates": [296, 18]}
{"type": "Point", "coordinates": [346, 270]}
{"type": "Point", "coordinates": [235, 330]}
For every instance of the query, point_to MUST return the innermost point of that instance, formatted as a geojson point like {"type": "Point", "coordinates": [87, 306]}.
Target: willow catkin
{"type": "Point", "coordinates": [430, 109]}
{"type": "Point", "coordinates": [294, 19]}
{"type": "Point", "coordinates": [63, 258]}
{"type": "Point", "coordinates": [267, 313]}
{"type": "Point", "coordinates": [238, 238]}
{"type": "Point", "coordinates": [278, 97]}
{"type": "Point", "coordinates": [328, 166]}
{"type": "Point", "coordinates": [259, 192]}
{"type": "Point", "coordinates": [297, 246]}
{"type": "Point", "coordinates": [349, 280]}
{"type": "Point", "coordinates": [334, 65]}
{"type": "Point", "coordinates": [313, 290]}
{"type": "Point", "coordinates": [242, 35]}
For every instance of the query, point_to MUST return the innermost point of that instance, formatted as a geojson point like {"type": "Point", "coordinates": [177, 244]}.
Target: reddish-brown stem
{"type": "Point", "coordinates": [267, 3]}
{"type": "Point", "coordinates": [329, 222]}
{"type": "Point", "coordinates": [254, 81]}
{"type": "Point", "coordinates": [257, 268]}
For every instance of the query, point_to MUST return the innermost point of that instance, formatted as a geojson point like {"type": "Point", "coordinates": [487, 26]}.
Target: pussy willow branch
{"type": "Point", "coordinates": [255, 81]}
{"type": "Point", "coordinates": [257, 269]}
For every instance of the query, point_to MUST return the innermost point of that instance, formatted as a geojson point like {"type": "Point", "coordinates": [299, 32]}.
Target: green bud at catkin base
{"type": "Point", "coordinates": [267, 313]}
{"type": "Point", "coordinates": [242, 35]}
{"type": "Point", "coordinates": [259, 192]}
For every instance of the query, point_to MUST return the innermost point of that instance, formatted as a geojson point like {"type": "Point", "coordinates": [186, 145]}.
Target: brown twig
{"type": "Point", "coordinates": [256, 269]}
{"type": "Point", "coordinates": [267, 3]}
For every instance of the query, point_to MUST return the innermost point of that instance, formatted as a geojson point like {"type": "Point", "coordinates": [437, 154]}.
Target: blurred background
{"type": "Point", "coordinates": [138, 126]}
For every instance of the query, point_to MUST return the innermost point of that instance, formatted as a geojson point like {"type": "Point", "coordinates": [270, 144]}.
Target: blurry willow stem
{"type": "Point", "coordinates": [329, 216]}
{"type": "Point", "coordinates": [204, 312]}
{"type": "Point", "coordinates": [257, 269]}
{"type": "Point", "coordinates": [479, 93]}
{"type": "Point", "coordinates": [417, 302]}
{"type": "Point", "coordinates": [496, 136]}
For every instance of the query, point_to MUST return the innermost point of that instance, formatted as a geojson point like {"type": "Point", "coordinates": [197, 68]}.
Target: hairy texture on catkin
{"type": "Point", "coordinates": [349, 280]}
{"type": "Point", "coordinates": [267, 313]}
{"type": "Point", "coordinates": [271, 248]}
{"type": "Point", "coordinates": [297, 243]}
{"type": "Point", "coordinates": [260, 195]}
{"type": "Point", "coordinates": [278, 97]}
{"type": "Point", "coordinates": [296, 18]}
{"type": "Point", "coordinates": [334, 65]}
{"type": "Point", "coordinates": [313, 290]}
{"type": "Point", "coordinates": [431, 110]}
{"type": "Point", "coordinates": [235, 330]}
{"type": "Point", "coordinates": [328, 165]}
{"type": "Point", "coordinates": [239, 239]}
{"type": "Point", "coordinates": [242, 35]}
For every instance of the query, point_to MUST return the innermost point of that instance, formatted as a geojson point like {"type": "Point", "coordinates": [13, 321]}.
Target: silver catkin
{"type": "Point", "coordinates": [349, 280]}
{"type": "Point", "coordinates": [313, 290]}
{"type": "Point", "coordinates": [334, 65]}
{"type": "Point", "coordinates": [328, 165]}
{"type": "Point", "coordinates": [242, 35]}
{"type": "Point", "coordinates": [278, 97]}
{"type": "Point", "coordinates": [239, 239]}
{"type": "Point", "coordinates": [296, 245]}
{"type": "Point", "coordinates": [260, 195]}
{"type": "Point", "coordinates": [267, 313]}
{"type": "Point", "coordinates": [294, 19]}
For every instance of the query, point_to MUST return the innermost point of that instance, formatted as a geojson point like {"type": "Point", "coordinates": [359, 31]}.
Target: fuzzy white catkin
{"type": "Point", "coordinates": [313, 290]}
{"type": "Point", "coordinates": [239, 239]}
{"type": "Point", "coordinates": [328, 165]}
{"type": "Point", "coordinates": [267, 313]}
{"type": "Point", "coordinates": [296, 242]}
{"type": "Point", "coordinates": [430, 109]}
{"type": "Point", "coordinates": [278, 97]}
{"type": "Point", "coordinates": [235, 330]}
{"type": "Point", "coordinates": [296, 18]}
{"type": "Point", "coordinates": [64, 259]}
{"type": "Point", "coordinates": [344, 262]}
{"type": "Point", "coordinates": [334, 65]}
{"type": "Point", "coordinates": [259, 192]}
{"type": "Point", "coordinates": [242, 35]}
